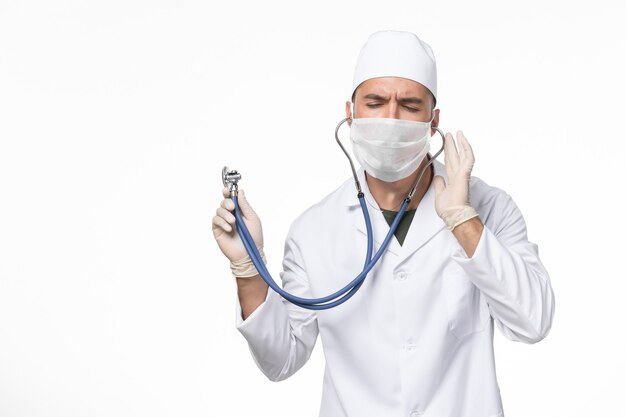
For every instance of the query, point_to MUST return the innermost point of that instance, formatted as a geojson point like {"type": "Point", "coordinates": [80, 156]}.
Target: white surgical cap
{"type": "Point", "coordinates": [396, 54]}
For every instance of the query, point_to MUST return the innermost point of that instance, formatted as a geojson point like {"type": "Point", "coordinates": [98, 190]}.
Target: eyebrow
{"type": "Point", "coordinates": [375, 97]}
{"type": "Point", "coordinates": [415, 100]}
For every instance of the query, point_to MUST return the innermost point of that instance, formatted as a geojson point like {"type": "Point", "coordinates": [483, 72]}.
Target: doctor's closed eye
{"type": "Point", "coordinates": [412, 104]}
{"type": "Point", "coordinates": [408, 108]}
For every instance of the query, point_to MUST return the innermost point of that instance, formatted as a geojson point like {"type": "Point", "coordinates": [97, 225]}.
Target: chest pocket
{"type": "Point", "coordinates": [466, 309]}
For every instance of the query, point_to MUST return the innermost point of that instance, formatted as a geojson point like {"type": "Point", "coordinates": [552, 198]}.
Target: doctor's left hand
{"type": "Point", "coordinates": [452, 200]}
{"type": "Point", "coordinates": [224, 227]}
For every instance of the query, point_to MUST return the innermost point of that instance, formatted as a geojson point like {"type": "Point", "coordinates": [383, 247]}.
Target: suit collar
{"type": "Point", "coordinates": [425, 224]}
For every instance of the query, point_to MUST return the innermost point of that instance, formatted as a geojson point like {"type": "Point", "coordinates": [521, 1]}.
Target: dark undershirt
{"type": "Point", "coordinates": [403, 227]}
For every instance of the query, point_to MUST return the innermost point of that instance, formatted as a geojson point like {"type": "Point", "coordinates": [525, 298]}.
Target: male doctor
{"type": "Point", "coordinates": [417, 338]}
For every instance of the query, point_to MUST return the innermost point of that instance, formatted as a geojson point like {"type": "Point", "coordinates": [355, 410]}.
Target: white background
{"type": "Point", "coordinates": [116, 118]}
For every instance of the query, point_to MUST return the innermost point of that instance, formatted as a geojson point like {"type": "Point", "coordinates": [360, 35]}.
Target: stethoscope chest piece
{"type": "Point", "coordinates": [230, 178]}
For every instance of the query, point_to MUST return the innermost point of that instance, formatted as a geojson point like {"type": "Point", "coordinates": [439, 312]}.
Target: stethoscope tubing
{"type": "Point", "coordinates": [345, 293]}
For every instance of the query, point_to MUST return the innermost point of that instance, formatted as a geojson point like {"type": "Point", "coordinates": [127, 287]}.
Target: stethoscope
{"type": "Point", "coordinates": [230, 178]}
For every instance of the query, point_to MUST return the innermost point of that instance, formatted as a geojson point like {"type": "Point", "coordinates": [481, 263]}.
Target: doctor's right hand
{"type": "Point", "coordinates": [224, 227]}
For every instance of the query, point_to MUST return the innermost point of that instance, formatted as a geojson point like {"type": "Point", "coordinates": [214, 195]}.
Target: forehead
{"type": "Point", "coordinates": [386, 86]}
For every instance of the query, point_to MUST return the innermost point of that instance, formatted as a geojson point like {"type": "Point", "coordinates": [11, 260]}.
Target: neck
{"type": "Point", "coordinates": [390, 195]}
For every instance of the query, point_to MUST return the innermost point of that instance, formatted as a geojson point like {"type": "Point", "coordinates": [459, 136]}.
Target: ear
{"type": "Point", "coordinates": [435, 121]}
{"type": "Point", "coordinates": [349, 111]}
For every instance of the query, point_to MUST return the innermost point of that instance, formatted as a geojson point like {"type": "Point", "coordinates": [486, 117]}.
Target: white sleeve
{"type": "Point", "coordinates": [281, 336]}
{"type": "Point", "coordinates": [507, 270]}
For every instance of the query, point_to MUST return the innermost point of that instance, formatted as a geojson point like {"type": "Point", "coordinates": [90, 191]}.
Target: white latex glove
{"type": "Point", "coordinates": [224, 227]}
{"type": "Point", "coordinates": [452, 201]}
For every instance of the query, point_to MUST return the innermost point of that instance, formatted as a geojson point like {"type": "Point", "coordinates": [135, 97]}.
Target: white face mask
{"type": "Point", "coordinates": [390, 149]}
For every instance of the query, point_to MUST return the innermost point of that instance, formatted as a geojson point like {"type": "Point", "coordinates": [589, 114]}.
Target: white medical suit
{"type": "Point", "coordinates": [417, 338]}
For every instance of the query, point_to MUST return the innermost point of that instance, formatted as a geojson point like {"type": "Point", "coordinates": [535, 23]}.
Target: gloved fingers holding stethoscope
{"type": "Point", "coordinates": [229, 241]}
